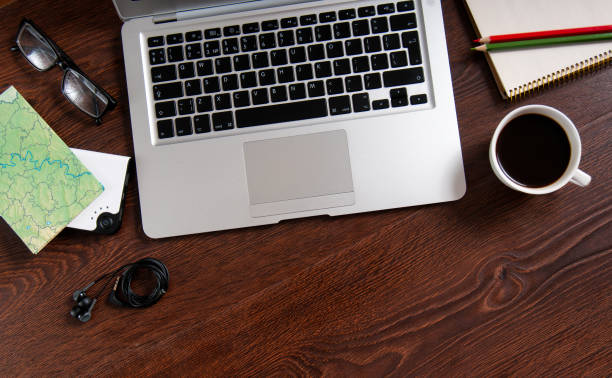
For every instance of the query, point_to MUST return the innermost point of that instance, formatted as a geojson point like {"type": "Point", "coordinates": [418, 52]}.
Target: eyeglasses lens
{"type": "Point", "coordinates": [35, 48]}
{"type": "Point", "coordinates": [83, 93]}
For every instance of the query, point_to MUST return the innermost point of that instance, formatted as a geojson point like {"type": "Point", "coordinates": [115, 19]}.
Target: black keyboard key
{"type": "Point", "coordinates": [269, 25]}
{"type": "Point", "coordinates": [212, 33]}
{"type": "Point", "coordinates": [266, 77]}
{"type": "Point", "coordinates": [316, 88]}
{"type": "Point", "coordinates": [380, 104]}
{"type": "Point", "coordinates": [323, 33]}
{"type": "Point", "coordinates": [186, 70]}
{"type": "Point", "coordinates": [404, 76]}
{"type": "Point", "coordinates": [252, 27]}
{"type": "Point", "coordinates": [193, 36]}
{"type": "Point", "coordinates": [285, 74]}
{"type": "Point", "coordinates": [322, 69]}
{"type": "Point", "coordinates": [379, 62]}
{"type": "Point", "coordinates": [204, 67]}
{"type": "Point", "coordinates": [204, 104]}
{"type": "Point", "coordinates": [303, 35]}
{"type": "Point", "coordinates": [379, 25]}
{"type": "Point", "coordinates": [248, 43]}
{"type": "Point", "coordinates": [201, 123]}
{"type": "Point", "coordinates": [410, 40]}
{"type": "Point", "coordinates": [339, 105]}
{"type": "Point", "coordinates": [353, 83]}
{"type": "Point", "coordinates": [372, 81]}
{"type": "Point", "coordinates": [229, 31]}
{"type": "Point", "coordinates": [385, 8]}
{"type": "Point", "coordinates": [347, 14]}
{"type": "Point", "coordinates": [309, 19]}
{"type": "Point", "coordinates": [327, 17]}
{"type": "Point", "coordinates": [278, 94]}
{"type": "Point", "coordinates": [167, 91]}
{"type": "Point", "coordinates": [372, 44]}
{"type": "Point", "coordinates": [157, 56]}
{"type": "Point", "coordinates": [342, 30]}
{"type": "Point", "coordinates": [165, 129]}
{"type": "Point", "coordinates": [353, 47]}
{"type": "Point", "coordinates": [185, 106]}
{"type": "Point", "coordinates": [297, 91]}
{"type": "Point", "coordinates": [267, 41]}
{"type": "Point", "coordinates": [360, 27]}
{"type": "Point", "coordinates": [418, 99]}
{"type": "Point", "coordinates": [361, 102]}
{"type": "Point", "coordinates": [223, 65]}
{"type": "Point", "coordinates": [334, 86]}
{"type": "Point", "coordinates": [278, 57]}
{"type": "Point", "coordinates": [334, 49]}
{"type": "Point", "coordinates": [155, 41]}
{"type": "Point", "coordinates": [163, 73]}
{"type": "Point", "coordinates": [222, 121]}
{"type": "Point", "coordinates": [230, 46]}
{"type": "Point", "coordinates": [391, 41]}
{"type": "Point", "coordinates": [342, 67]}
{"type": "Point", "coordinates": [248, 79]}
{"type": "Point", "coordinates": [316, 52]}
{"type": "Point", "coordinates": [165, 109]}
{"type": "Point", "coordinates": [175, 53]}
{"type": "Point", "coordinates": [361, 64]}
{"type": "Point", "coordinates": [289, 22]}
{"type": "Point", "coordinates": [223, 101]}
{"type": "Point", "coordinates": [366, 11]}
{"type": "Point", "coordinates": [193, 87]}
{"type": "Point", "coordinates": [405, 6]}
{"type": "Point", "coordinates": [193, 51]}
{"type": "Point", "coordinates": [260, 60]}
{"type": "Point", "coordinates": [399, 97]}
{"type": "Point", "coordinates": [403, 21]}
{"type": "Point", "coordinates": [183, 126]}
{"type": "Point", "coordinates": [303, 72]}
{"type": "Point", "coordinates": [211, 84]}
{"type": "Point", "coordinates": [399, 59]}
{"type": "Point", "coordinates": [212, 48]}
{"type": "Point", "coordinates": [260, 96]}
{"type": "Point", "coordinates": [297, 54]}
{"type": "Point", "coordinates": [287, 112]}
{"type": "Point", "coordinates": [173, 39]}
{"type": "Point", "coordinates": [229, 82]}
{"type": "Point", "coordinates": [241, 99]}
{"type": "Point", "coordinates": [285, 38]}
{"type": "Point", "coordinates": [241, 62]}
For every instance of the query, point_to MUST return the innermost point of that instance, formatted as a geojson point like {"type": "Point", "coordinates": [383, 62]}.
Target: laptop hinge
{"type": "Point", "coordinates": [163, 18]}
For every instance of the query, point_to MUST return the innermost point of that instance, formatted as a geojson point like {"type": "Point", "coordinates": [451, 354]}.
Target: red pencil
{"type": "Point", "coordinates": [545, 34]}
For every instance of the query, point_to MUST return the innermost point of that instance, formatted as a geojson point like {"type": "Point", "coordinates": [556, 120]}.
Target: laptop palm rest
{"type": "Point", "coordinates": [299, 173]}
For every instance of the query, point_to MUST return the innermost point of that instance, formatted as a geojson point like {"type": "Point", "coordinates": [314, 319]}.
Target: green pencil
{"type": "Point", "coordinates": [543, 42]}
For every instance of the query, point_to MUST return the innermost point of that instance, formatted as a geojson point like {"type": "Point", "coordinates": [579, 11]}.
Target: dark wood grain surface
{"type": "Point", "coordinates": [497, 283]}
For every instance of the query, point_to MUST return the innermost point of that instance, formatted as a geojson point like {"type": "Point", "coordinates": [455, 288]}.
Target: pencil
{"type": "Point", "coordinates": [545, 34]}
{"type": "Point", "coordinates": [543, 42]}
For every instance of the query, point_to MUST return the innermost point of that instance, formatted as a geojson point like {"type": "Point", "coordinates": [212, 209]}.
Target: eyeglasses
{"type": "Point", "coordinates": [43, 54]}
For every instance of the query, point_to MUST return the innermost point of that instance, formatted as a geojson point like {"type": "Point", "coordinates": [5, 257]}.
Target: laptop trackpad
{"type": "Point", "coordinates": [299, 173]}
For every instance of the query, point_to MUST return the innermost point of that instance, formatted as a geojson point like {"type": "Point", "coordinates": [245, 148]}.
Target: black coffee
{"type": "Point", "coordinates": [533, 150]}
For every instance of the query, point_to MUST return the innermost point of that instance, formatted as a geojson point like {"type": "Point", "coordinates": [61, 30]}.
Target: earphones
{"type": "Point", "coordinates": [127, 298]}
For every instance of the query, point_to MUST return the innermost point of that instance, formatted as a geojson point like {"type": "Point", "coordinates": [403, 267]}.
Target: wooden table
{"type": "Point", "coordinates": [495, 283]}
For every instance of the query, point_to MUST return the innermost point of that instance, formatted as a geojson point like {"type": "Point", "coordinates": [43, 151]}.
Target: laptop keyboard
{"type": "Point", "coordinates": [334, 64]}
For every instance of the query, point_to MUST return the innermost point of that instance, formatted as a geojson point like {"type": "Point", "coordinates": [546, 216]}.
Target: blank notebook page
{"type": "Point", "coordinates": [518, 67]}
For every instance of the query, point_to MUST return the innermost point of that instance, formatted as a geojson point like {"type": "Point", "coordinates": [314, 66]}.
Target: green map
{"type": "Point", "coordinates": [43, 185]}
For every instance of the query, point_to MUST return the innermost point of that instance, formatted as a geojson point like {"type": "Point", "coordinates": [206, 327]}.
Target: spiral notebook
{"type": "Point", "coordinates": [521, 71]}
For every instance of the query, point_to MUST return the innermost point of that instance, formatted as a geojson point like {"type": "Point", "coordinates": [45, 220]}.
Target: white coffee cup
{"type": "Point", "coordinates": [571, 174]}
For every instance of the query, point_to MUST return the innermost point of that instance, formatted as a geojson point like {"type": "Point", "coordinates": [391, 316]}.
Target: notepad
{"type": "Point", "coordinates": [521, 71]}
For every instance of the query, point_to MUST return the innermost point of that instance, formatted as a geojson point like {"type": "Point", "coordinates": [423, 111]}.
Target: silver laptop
{"type": "Point", "coordinates": [249, 113]}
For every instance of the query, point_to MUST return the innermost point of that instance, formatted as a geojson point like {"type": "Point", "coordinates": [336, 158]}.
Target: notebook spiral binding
{"type": "Point", "coordinates": [567, 74]}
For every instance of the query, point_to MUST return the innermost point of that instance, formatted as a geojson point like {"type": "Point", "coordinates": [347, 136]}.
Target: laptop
{"type": "Point", "coordinates": [250, 113]}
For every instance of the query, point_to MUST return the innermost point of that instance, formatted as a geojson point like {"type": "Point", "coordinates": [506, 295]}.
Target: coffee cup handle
{"type": "Point", "coordinates": [580, 178]}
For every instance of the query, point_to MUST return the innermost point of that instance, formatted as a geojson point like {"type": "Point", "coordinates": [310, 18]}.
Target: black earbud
{"type": "Point", "coordinates": [84, 304]}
